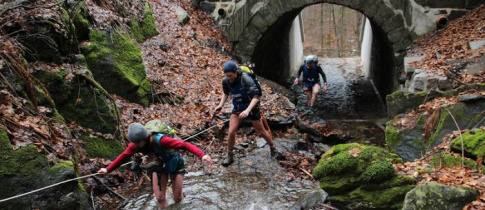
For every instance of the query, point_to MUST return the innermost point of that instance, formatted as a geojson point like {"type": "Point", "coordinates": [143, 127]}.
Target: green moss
{"type": "Point", "coordinates": [421, 120]}
{"type": "Point", "coordinates": [392, 135]}
{"type": "Point", "coordinates": [147, 28]}
{"type": "Point", "coordinates": [98, 147]}
{"type": "Point", "coordinates": [390, 183]}
{"type": "Point", "coordinates": [340, 148]}
{"type": "Point", "coordinates": [473, 143]}
{"type": "Point", "coordinates": [443, 117]}
{"type": "Point", "coordinates": [55, 83]}
{"type": "Point", "coordinates": [339, 184]}
{"type": "Point", "coordinates": [61, 166]}
{"type": "Point", "coordinates": [378, 171]}
{"type": "Point", "coordinates": [81, 22]}
{"type": "Point", "coordinates": [116, 61]}
{"type": "Point", "coordinates": [339, 164]}
{"type": "Point", "coordinates": [25, 161]}
{"type": "Point", "coordinates": [450, 161]}
{"type": "Point", "coordinates": [370, 153]}
{"type": "Point", "coordinates": [422, 93]}
{"type": "Point", "coordinates": [92, 109]}
{"type": "Point", "coordinates": [391, 198]}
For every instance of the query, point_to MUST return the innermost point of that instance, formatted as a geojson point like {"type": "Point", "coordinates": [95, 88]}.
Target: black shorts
{"type": "Point", "coordinates": [255, 114]}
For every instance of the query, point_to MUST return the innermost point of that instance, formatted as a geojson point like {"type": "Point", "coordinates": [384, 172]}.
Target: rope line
{"type": "Point", "coordinates": [33, 191]}
{"type": "Point", "coordinates": [95, 174]}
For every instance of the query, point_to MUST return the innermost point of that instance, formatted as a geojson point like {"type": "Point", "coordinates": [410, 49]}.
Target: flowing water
{"type": "Point", "coordinates": [350, 107]}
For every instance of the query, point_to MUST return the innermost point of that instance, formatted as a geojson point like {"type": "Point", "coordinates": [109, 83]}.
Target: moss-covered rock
{"type": "Point", "coordinates": [80, 99]}
{"type": "Point", "coordinates": [409, 144]}
{"type": "Point", "coordinates": [55, 83]}
{"type": "Point", "coordinates": [473, 143]}
{"type": "Point", "coordinates": [116, 63]}
{"type": "Point", "coordinates": [104, 148]}
{"type": "Point", "coordinates": [80, 20]}
{"type": "Point", "coordinates": [379, 171]}
{"type": "Point", "coordinates": [432, 195]}
{"type": "Point", "coordinates": [392, 135]}
{"type": "Point", "coordinates": [90, 106]}
{"type": "Point", "coordinates": [442, 159]}
{"type": "Point", "coordinates": [25, 169]}
{"type": "Point", "coordinates": [364, 174]}
{"type": "Point", "coordinates": [401, 102]}
{"type": "Point", "coordinates": [146, 28]}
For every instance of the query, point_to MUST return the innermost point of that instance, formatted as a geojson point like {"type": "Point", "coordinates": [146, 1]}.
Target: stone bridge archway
{"type": "Point", "coordinates": [258, 31]}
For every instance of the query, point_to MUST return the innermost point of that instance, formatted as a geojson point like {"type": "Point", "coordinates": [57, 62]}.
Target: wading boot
{"type": "Point", "coordinates": [273, 152]}
{"type": "Point", "coordinates": [228, 160]}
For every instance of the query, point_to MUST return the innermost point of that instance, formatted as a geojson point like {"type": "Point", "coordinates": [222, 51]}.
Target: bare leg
{"type": "Point", "coordinates": [234, 122]}
{"type": "Point", "coordinates": [315, 90]}
{"type": "Point", "coordinates": [259, 127]}
{"type": "Point", "coordinates": [231, 138]}
{"type": "Point", "coordinates": [160, 194]}
{"type": "Point", "coordinates": [309, 96]}
{"type": "Point", "coordinates": [177, 184]}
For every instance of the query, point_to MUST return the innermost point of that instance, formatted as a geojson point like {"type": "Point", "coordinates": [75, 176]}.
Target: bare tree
{"type": "Point", "coordinates": [335, 31]}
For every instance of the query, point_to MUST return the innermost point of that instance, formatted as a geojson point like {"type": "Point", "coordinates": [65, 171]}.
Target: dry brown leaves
{"type": "Point", "coordinates": [426, 109]}
{"type": "Point", "coordinates": [451, 43]}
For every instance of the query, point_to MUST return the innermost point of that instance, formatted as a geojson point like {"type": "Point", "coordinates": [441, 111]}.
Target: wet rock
{"type": "Point", "coordinates": [260, 142]}
{"type": "Point", "coordinates": [313, 134]}
{"type": "Point", "coordinates": [320, 148]}
{"type": "Point", "coordinates": [315, 197]}
{"type": "Point", "coordinates": [182, 15]}
{"type": "Point", "coordinates": [470, 97]}
{"type": "Point", "coordinates": [439, 197]}
{"type": "Point", "coordinates": [285, 145]}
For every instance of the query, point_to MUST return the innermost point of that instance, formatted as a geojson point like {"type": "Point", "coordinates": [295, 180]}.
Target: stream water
{"type": "Point", "coordinates": [350, 108]}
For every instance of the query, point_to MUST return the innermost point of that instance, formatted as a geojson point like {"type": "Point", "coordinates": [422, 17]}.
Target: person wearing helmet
{"type": "Point", "coordinates": [171, 161]}
{"type": "Point", "coordinates": [245, 100]}
{"type": "Point", "coordinates": [311, 81]}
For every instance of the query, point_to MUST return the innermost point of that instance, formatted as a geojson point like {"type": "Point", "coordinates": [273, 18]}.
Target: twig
{"type": "Point", "coordinates": [461, 137]}
{"type": "Point", "coordinates": [480, 122]}
{"type": "Point", "coordinates": [306, 172]}
{"type": "Point", "coordinates": [92, 199]}
{"type": "Point", "coordinates": [100, 181]}
{"type": "Point", "coordinates": [328, 206]}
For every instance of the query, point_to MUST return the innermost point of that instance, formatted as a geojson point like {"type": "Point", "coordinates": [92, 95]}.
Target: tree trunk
{"type": "Point", "coordinates": [335, 31]}
{"type": "Point", "coordinates": [321, 29]}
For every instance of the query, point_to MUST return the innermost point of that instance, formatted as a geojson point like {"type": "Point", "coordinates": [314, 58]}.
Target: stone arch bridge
{"type": "Point", "coordinates": [259, 30]}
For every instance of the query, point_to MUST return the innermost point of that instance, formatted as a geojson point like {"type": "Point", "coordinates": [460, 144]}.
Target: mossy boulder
{"type": "Point", "coordinates": [49, 38]}
{"type": "Point", "coordinates": [402, 102]}
{"type": "Point", "coordinates": [81, 99]}
{"type": "Point", "coordinates": [473, 143]}
{"type": "Point", "coordinates": [362, 177]}
{"type": "Point", "coordinates": [410, 144]}
{"type": "Point", "coordinates": [25, 169]}
{"type": "Point", "coordinates": [99, 147]}
{"type": "Point", "coordinates": [434, 196]}
{"type": "Point", "coordinates": [442, 159]}
{"type": "Point", "coordinates": [146, 28]}
{"type": "Point", "coordinates": [80, 19]}
{"type": "Point", "coordinates": [116, 63]}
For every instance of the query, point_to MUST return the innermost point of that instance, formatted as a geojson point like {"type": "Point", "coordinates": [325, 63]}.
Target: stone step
{"type": "Point", "coordinates": [475, 45]}
{"type": "Point", "coordinates": [407, 68]}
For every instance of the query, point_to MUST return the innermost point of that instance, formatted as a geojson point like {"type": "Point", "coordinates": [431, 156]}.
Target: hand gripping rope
{"type": "Point", "coordinates": [95, 174]}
